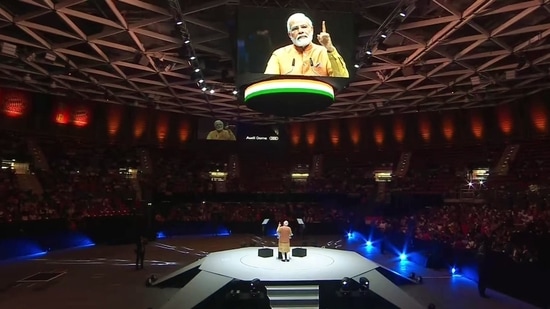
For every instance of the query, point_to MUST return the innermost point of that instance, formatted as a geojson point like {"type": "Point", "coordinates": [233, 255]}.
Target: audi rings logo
{"type": "Point", "coordinates": [273, 138]}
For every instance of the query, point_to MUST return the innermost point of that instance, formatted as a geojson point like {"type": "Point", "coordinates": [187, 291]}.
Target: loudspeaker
{"type": "Point", "coordinates": [265, 252]}
{"type": "Point", "coordinates": [299, 252]}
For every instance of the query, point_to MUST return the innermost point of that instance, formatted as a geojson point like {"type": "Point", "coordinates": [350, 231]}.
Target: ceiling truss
{"type": "Point", "coordinates": [445, 55]}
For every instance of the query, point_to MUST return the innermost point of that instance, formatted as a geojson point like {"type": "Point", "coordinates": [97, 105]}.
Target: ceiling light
{"type": "Point", "coordinates": [50, 57]}
{"type": "Point", "coordinates": [8, 49]}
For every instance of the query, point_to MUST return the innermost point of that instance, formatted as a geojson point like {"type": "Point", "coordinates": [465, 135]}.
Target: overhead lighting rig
{"type": "Point", "coordinates": [187, 49]}
{"type": "Point", "coordinates": [188, 52]}
{"type": "Point", "coordinates": [392, 22]}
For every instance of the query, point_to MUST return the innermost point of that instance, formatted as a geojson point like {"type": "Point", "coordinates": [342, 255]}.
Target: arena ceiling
{"type": "Point", "coordinates": [445, 54]}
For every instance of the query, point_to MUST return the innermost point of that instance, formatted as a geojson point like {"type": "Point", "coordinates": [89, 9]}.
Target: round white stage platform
{"type": "Point", "coordinates": [319, 264]}
{"type": "Point", "coordinates": [219, 269]}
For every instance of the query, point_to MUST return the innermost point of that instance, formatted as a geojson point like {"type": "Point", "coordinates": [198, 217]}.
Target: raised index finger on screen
{"type": "Point", "coordinates": [323, 27]}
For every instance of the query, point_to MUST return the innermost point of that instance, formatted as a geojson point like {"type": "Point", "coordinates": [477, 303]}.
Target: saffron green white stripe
{"type": "Point", "coordinates": [279, 86]}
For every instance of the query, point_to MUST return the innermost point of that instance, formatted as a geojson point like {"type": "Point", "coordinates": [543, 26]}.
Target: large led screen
{"type": "Point", "coordinates": [220, 130]}
{"type": "Point", "coordinates": [283, 42]}
{"type": "Point", "coordinates": [216, 130]}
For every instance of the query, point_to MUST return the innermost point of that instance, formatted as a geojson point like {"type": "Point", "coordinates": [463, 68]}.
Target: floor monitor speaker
{"type": "Point", "coordinates": [265, 252]}
{"type": "Point", "coordinates": [299, 252]}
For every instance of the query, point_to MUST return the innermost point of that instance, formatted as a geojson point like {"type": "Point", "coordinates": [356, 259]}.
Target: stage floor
{"type": "Point", "coordinates": [319, 264]}
{"type": "Point", "coordinates": [104, 276]}
{"type": "Point", "coordinates": [218, 269]}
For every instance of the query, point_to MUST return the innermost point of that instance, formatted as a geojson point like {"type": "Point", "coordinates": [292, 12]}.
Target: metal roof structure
{"type": "Point", "coordinates": [442, 55]}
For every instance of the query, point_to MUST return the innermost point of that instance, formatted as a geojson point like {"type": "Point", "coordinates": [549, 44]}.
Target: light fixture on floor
{"type": "Point", "coordinates": [345, 286]}
{"type": "Point", "coordinates": [364, 284]}
{"type": "Point", "coordinates": [416, 278]}
{"type": "Point", "coordinates": [454, 271]}
{"type": "Point", "coordinates": [151, 280]}
{"type": "Point", "coordinates": [255, 287]}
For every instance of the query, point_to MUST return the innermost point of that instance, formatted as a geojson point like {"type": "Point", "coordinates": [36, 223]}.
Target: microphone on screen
{"type": "Point", "coordinates": [313, 67]}
{"type": "Point", "coordinates": [293, 64]}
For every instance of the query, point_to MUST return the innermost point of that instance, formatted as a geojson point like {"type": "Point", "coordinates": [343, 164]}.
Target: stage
{"type": "Point", "coordinates": [206, 276]}
{"type": "Point", "coordinates": [104, 276]}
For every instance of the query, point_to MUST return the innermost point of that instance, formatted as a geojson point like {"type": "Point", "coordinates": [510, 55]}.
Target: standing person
{"type": "Point", "coordinates": [482, 266]}
{"type": "Point", "coordinates": [383, 226]}
{"type": "Point", "coordinates": [285, 234]}
{"type": "Point", "coordinates": [279, 253]}
{"type": "Point", "coordinates": [140, 251]}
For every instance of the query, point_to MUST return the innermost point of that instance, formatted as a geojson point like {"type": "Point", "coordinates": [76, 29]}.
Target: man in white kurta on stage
{"type": "Point", "coordinates": [285, 234]}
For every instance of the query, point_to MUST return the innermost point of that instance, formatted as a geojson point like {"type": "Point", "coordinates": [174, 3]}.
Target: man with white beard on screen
{"type": "Point", "coordinates": [303, 57]}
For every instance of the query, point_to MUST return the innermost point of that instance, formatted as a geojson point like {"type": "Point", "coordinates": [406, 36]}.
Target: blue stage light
{"type": "Point", "coordinates": [222, 231]}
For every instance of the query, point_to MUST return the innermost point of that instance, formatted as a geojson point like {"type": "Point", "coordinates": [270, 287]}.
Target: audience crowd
{"type": "Point", "coordinates": [517, 232]}
{"type": "Point", "coordinates": [83, 180]}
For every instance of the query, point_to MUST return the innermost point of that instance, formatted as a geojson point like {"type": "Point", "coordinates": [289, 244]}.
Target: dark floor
{"type": "Point", "coordinates": [104, 276]}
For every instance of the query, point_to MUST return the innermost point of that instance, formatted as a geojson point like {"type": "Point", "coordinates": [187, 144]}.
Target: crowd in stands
{"type": "Point", "coordinates": [17, 204]}
{"type": "Point", "coordinates": [517, 232]}
{"type": "Point", "coordinates": [180, 172]}
{"type": "Point", "coordinates": [86, 180]}
{"type": "Point", "coordinates": [256, 212]}
{"type": "Point", "coordinates": [9, 195]}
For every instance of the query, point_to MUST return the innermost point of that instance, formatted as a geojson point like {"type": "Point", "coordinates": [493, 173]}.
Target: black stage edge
{"type": "Point", "coordinates": [330, 297]}
{"type": "Point", "coordinates": [289, 104]}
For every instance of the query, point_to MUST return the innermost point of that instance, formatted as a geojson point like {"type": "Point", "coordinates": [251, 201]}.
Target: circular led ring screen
{"type": "Point", "coordinates": [289, 97]}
